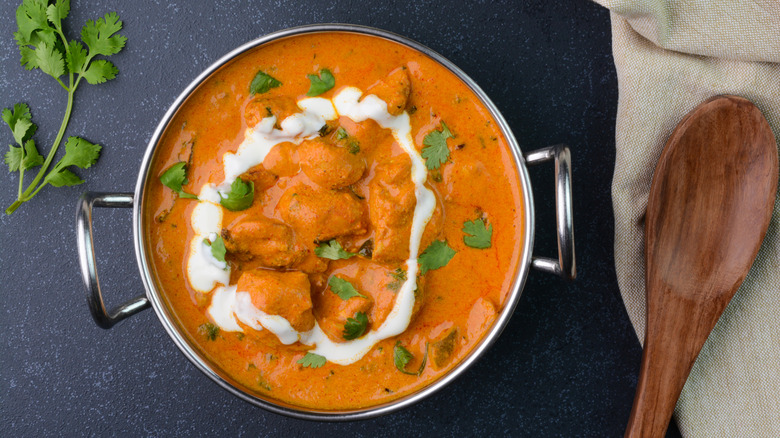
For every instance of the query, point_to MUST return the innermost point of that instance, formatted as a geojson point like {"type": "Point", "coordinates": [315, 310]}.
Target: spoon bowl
{"type": "Point", "coordinates": [710, 204]}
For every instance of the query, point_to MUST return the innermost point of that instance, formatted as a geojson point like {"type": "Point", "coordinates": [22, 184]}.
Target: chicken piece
{"type": "Point", "coordinates": [329, 165]}
{"type": "Point", "coordinates": [391, 203]}
{"type": "Point", "coordinates": [263, 106]}
{"type": "Point", "coordinates": [320, 215]}
{"type": "Point", "coordinates": [332, 312]}
{"type": "Point", "coordinates": [394, 89]}
{"type": "Point", "coordinates": [261, 178]}
{"type": "Point", "coordinates": [270, 243]}
{"type": "Point", "coordinates": [367, 136]}
{"type": "Point", "coordinates": [380, 285]}
{"type": "Point", "coordinates": [282, 160]}
{"type": "Point", "coordinates": [311, 264]}
{"type": "Point", "coordinates": [286, 294]}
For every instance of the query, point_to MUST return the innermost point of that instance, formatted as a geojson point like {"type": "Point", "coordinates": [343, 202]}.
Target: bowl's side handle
{"type": "Point", "coordinates": [103, 317]}
{"type": "Point", "coordinates": [566, 265]}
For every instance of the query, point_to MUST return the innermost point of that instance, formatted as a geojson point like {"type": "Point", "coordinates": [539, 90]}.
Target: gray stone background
{"type": "Point", "coordinates": [567, 363]}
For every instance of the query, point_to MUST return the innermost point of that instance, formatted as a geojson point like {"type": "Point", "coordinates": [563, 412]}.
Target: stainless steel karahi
{"type": "Point", "coordinates": [564, 266]}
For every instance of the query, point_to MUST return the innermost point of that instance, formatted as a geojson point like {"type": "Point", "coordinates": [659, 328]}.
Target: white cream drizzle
{"type": "Point", "coordinates": [203, 270]}
{"type": "Point", "coordinates": [262, 137]}
{"type": "Point", "coordinates": [228, 306]}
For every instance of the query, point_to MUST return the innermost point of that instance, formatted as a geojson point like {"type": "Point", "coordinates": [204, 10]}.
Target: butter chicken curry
{"type": "Point", "coordinates": [337, 220]}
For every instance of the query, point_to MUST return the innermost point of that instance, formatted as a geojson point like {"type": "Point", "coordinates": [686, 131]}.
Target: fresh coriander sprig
{"type": "Point", "coordinates": [43, 45]}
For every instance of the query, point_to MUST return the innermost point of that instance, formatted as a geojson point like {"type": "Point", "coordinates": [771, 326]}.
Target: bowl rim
{"type": "Point", "coordinates": [167, 320]}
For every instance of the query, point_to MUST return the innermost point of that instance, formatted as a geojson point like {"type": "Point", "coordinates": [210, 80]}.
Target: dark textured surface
{"type": "Point", "coordinates": [566, 364]}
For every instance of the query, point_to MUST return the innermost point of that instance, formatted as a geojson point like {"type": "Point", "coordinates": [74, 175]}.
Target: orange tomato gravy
{"type": "Point", "coordinates": [464, 297]}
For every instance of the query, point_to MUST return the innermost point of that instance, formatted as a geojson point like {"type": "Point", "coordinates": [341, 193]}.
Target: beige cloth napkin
{"type": "Point", "coordinates": [671, 56]}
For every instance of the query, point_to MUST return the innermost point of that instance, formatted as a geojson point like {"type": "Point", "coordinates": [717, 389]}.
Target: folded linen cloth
{"type": "Point", "coordinates": [670, 57]}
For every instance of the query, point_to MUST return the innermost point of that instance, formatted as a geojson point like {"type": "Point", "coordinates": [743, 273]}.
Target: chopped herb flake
{"type": "Point", "coordinates": [209, 330]}
{"type": "Point", "coordinates": [367, 249]}
{"type": "Point", "coordinates": [399, 277]}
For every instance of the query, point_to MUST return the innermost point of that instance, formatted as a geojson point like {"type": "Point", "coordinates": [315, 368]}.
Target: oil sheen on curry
{"type": "Point", "coordinates": [337, 220]}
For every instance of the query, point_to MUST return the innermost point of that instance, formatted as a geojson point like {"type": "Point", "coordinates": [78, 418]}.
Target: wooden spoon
{"type": "Point", "coordinates": [710, 204]}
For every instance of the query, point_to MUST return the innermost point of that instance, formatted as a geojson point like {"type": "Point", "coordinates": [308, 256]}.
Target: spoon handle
{"type": "Point", "coordinates": [673, 340]}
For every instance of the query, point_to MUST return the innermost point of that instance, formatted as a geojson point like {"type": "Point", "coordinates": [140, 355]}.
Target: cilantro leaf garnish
{"type": "Point", "coordinates": [262, 83]}
{"type": "Point", "coordinates": [402, 357]}
{"type": "Point", "coordinates": [343, 288]}
{"type": "Point", "coordinates": [209, 330]}
{"type": "Point", "coordinates": [436, 151]}
{"type": "Point", "coordinates": [321, 84]}
{"type": "Point", "coordinates": [312, 360]}
{"type": "Point", "coordinates": [43, 45]}
{"type": "Point", "coordinates": [332, 250]}
{"type": "Point", "coordinates": [399, 277]}
{"type": "Point", "coordinates": [175, 177]}
{"type": "Point", "coordinates": [240, 196]}
{"type": "Point", "coordinates": [437, 254]}
{"type": "Point", "coordinates": [355, 327]}
{"type": "Point", "coordinates": [341, 134]}
{"type": "Point", "coordinates": [218, 249]}
{"type": "Point", "coordinates": [477, 235]}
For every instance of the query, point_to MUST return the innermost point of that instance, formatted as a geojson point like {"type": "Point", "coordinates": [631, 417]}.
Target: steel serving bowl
{"type": "Point", "coordinates": [564, 266]}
